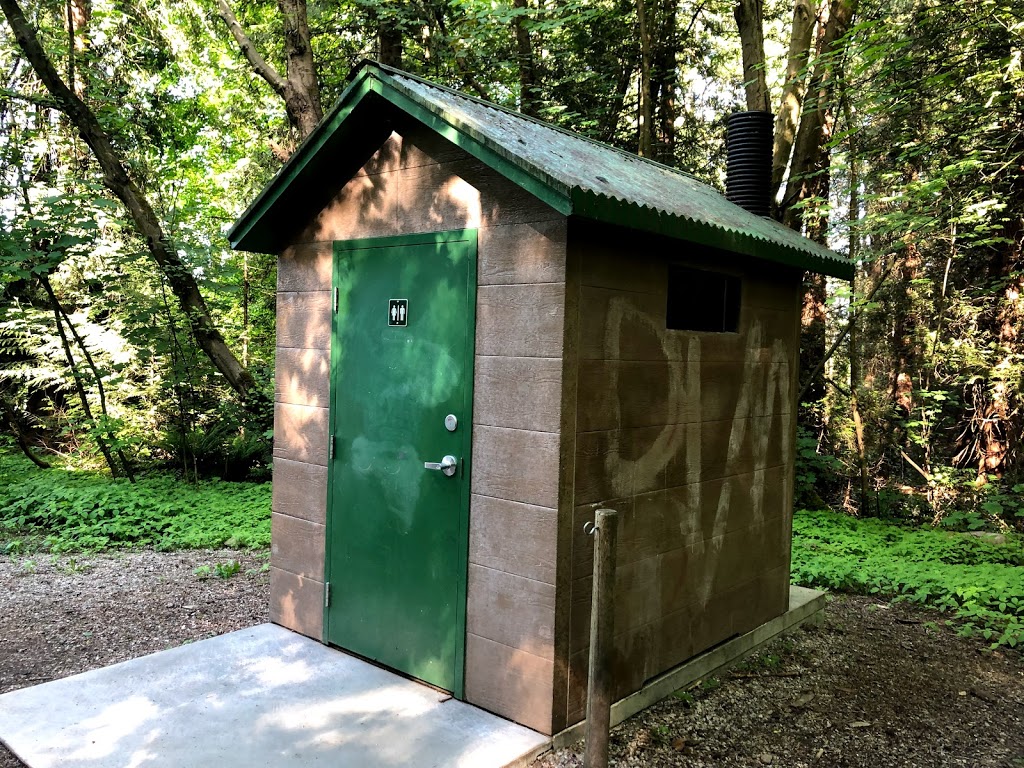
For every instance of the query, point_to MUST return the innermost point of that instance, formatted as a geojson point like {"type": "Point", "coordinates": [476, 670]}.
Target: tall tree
{"type": "Point", "coordinates": [750, 22]}
{"type": "Point", "coordinates": [140, 211]}
{"type": "Point", "coordinates": [300, 86]}
{"type": "Point", "coordinates": [528, 82]}
{"type": "Point", "coordinates": [645, 117]}
{"type": "Point", "coordinates": [665, 80]}
{"type": "Point", "coordinates": [788, 116]}
{"type": "Point", "coordinates": [808, 173]}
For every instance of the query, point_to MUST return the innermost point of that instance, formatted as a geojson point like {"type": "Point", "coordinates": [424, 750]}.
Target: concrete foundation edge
{"type": "Point", "coordinates": [804, 605]}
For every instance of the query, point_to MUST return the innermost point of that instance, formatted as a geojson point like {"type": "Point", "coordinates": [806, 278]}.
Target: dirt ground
{"type": "Point", "coordinates": [65, 616]}
{"type": "Point", "coordinates": [875, 685]}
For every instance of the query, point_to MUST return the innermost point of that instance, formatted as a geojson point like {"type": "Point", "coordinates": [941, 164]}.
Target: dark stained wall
{"type": "Point", "coordinates": [690, 437]}
{"type": "Point", "coordinates": [418, 182]}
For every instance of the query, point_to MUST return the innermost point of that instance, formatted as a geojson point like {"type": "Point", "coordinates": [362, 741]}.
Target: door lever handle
{"type": "Point", "coordinates": [449, 465]}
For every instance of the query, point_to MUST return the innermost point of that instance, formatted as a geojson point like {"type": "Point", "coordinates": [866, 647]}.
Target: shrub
{"type": "Point", "coordinates": [74, 510]}
{"type": "Point", "coordinates": [980, 581]}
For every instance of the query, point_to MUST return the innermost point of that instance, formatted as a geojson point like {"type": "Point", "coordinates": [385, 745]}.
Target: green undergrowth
{"type": "Point", "coordinates": [62, 510]}
{"type": "Point", "coordinates": [979, 581]}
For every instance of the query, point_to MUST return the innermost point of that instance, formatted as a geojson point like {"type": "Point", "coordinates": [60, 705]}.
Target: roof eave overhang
{"type": "Point", "coordinates": [249, 233]}
{"type": "Point", "coordinates": [615, 211]}
{"type": "Point", "coordinates": [253, 233]}
{"type": "Point", "coordinates": [257, 230]}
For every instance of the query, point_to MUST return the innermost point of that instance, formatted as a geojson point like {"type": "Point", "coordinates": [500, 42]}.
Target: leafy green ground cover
{"type": "Point", "coordinates": [979, 581]}
{"type": "Point", "coordinates": [62, 510]}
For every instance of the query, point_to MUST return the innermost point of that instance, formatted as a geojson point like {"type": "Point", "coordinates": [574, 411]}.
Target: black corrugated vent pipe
{"type": "Point", "coordinates": [748, 175]}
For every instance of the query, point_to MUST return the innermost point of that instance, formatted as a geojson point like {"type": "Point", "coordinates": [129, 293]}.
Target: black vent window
{"type": "Point", "coordinates": [702, 301]}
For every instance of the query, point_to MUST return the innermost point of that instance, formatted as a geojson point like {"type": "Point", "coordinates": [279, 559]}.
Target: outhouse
{"type": "Point", "coordinates": [487, 328]}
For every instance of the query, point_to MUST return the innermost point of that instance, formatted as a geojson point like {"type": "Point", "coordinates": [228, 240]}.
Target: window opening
{"type": "Point", "coordinates": [700, 300]}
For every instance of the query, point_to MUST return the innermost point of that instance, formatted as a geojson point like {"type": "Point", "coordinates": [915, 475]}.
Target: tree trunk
{"type": "Point", "coordinates": [83, 398]}
{"type": "Point", "coordinates": [389, 41]}
{"type": "Point", "coordinates": [528, 101]}
{"type": "Point", "coordinates": [9, 417]}
{"type": "Point", "coordinates": [665, 80]}
{"type": "Point", "coordinates": [300, 89]}
{"type": "Point", "coordinates": [812, 335]}
{"type": "Point", "coordinates": [855, 351]}
{"type": "Point", "coordinates": [750, 21]}
{"type": "Point", "coordinates": [997, 401]}
{"type": "Point", "coordinates": [389, 36]}
{"type": "Point", "coordinates": [793, 91]}
{"type": "Point", "coordinates": [116, 178]}
{"type": "Point", "coordinates": [100, 389]}
{"type": "Point", "coordinates": [645, 128]}
{"type": "Point", "coordinates": [808, 174]}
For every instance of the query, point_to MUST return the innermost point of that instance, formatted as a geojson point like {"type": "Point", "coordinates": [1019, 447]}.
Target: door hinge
{"type": "Point", "coordinates": [335, 298]}
{"type": "Point", "coordinates": [330, 448]}
{"type": "Point", "coordinates": [327, 595]}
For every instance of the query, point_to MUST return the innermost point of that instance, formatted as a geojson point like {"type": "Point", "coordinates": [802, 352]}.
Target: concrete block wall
{"type": "Point", "coordinates": [582, 398]}
{"type": "Point", "coordinates": [418, 182]}
{"type": "Point", "coordinates": [690, 437]}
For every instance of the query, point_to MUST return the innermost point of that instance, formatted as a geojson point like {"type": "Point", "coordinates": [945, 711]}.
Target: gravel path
{"type": "Point", "coordinates": [62, 616]}
{"type": "Point", "coordinates": [877, 685]}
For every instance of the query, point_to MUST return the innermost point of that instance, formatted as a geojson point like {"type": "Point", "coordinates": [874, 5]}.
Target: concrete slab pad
{"type": "Point", "coordinates": [259, 697]}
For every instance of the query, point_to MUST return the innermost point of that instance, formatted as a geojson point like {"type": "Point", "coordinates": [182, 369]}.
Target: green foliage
{"type": "Point", "coordinates": [930, 129]}
{"type": "Point", "coordinates": [222, 570]}
{"type": "Point", "coordinates": [227, 570]}
{"type": "Point", "coordinates": [814, 468]}
{"type": "Point", "coordinates": [686, 697]}
{"type": "Point", "coordinates": [710, 684]}
{"type": "Point", "coordinates": [80, 510]}
{"type": "Point", "coordinates": [979, 581]}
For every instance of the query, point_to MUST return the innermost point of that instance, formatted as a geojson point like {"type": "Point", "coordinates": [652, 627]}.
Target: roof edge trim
{"type": "Point", "coordinates": [611, 210]}
{"type": "Point", "coordinates": [524, 175]}
{"type": "Point", "coordinates": [372, 79]}
{"type": "Point", "coordinates": [305, 152]}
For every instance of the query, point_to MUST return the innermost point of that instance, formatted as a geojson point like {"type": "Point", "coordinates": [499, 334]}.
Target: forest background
{"type": "Point", "coordinates": [133, 132]}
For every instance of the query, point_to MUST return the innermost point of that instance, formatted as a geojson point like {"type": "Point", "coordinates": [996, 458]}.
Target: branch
{"type": "Point", "coordinates": [117, 180]}
{"type": "Point", "coordinates": [470, 78]}
{"type": "Point", "coordinates": [913, 463]}
{"type": "Point", "coordinates": [460, 57]}
{"type": "Point", "coordinates": [838, 387]}
{"type": "Point", "coordinates": [259, 65]}
{"type": "Point", "coordinates": [839, 339]}
{"type": "Point", "coordinates": [39, 101]}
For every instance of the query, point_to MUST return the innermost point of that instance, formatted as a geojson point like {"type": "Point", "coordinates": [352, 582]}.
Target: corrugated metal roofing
{"type": "Point", "coordinates": [573, 173]}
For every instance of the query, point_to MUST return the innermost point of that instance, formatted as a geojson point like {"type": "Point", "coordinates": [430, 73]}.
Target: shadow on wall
{"type": "Point", "coordinates": [300, 433]}
{"type": "Point", "coordinates": [410, 185]}
{"type": "Point", "coordinates": [690, 443]}
{"type": "Point", "coordinates": [296, 603]}
{"type": "Point", "coordinates": [303, 377]}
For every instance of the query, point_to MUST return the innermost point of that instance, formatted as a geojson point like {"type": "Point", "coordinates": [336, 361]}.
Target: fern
{"type": "Point", "coordinates": [75, 510]}
{"type": "Point", "coordinates": [979, 582]}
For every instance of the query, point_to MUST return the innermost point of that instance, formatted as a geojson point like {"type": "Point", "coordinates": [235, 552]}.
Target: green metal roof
{"type": "Point", "coordinates": [574, 175]}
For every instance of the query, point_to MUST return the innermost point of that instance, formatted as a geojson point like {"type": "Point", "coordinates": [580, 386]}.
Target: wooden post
{"type": "Point", "coordinates": [602, 613]}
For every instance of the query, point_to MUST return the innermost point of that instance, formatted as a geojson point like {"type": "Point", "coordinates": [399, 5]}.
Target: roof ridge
{"type": "Point", "coordinates": [573, 174]}
{"type": "Point", "coordinates": [529, 118]}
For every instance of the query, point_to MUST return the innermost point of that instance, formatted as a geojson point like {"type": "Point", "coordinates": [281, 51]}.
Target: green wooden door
{"type": "Point", "coordinates": [397, 533]}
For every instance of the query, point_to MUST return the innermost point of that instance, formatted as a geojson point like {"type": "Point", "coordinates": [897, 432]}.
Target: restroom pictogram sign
{"type": "Point", "coordinates": [398, 312]}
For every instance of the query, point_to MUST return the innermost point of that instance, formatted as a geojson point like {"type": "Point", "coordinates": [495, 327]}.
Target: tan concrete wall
{"type": "Point", "coordinates": [418, 182]}
{"type": "Point", "coordinates": [690, 437]}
